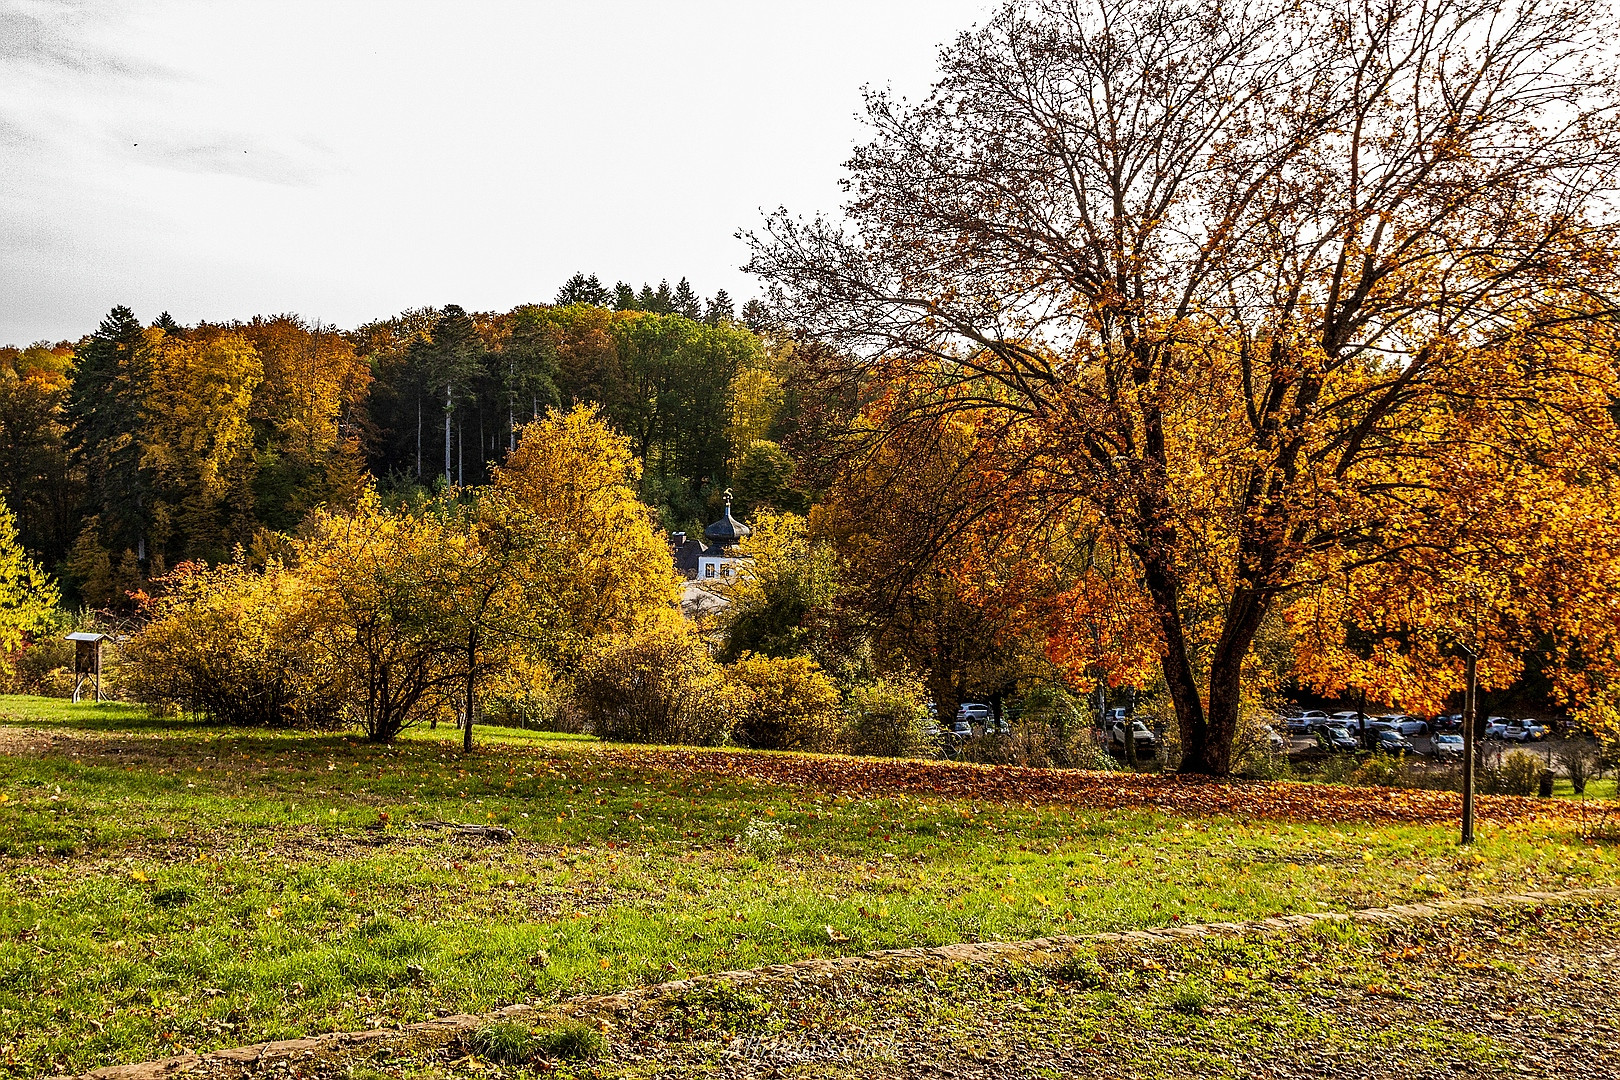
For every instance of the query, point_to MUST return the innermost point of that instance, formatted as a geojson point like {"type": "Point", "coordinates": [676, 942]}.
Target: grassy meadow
{"type": "Point", "coordinates": [168, 886]}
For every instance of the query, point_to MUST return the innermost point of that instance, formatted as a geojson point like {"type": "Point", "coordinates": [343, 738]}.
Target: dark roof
{"type": "Point", "coordinates": [728, 530]}
{"type": "Point", "coordinates": [686, 556]}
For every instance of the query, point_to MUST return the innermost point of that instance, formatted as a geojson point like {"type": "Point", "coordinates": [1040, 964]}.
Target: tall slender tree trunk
{"type": "Point", "coordinates": [472, 678]}
{"type": "Point", "coordinates": [448, 409]}
{"type": "Point", "coordinates": [419, 436]}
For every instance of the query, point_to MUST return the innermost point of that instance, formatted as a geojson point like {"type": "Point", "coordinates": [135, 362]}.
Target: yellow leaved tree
{"type": "Point", "coordinates": [573, 477]}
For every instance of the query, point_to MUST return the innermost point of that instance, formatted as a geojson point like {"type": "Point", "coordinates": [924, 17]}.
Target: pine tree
{"type": "Point", "coordinates": [624, 297]}
{"type": "Point", "coordinates": [756, 316]}
{"type": "Point", "coordinates": [165, 322]}
{"type": "Point", "coordinates": [663, 301]}
{"type": "Point", "coordinates": [103, 414]}
{"type": "Point", "coordinates": [720, 309]}
{"type": "Point", "coordinates": [646, 300]}
{"type": "Point", "coordinates": [580, 289]}
{"type": "Point", "coordinates": [686, 302]}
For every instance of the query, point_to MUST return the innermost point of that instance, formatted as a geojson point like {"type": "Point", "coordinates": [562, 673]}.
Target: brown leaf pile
{"type": "Point", "coordinates": [1184, 795]}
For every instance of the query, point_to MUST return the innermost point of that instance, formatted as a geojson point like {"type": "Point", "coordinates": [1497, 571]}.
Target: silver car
{"type": "Point", "coordinates": [1448, 746]}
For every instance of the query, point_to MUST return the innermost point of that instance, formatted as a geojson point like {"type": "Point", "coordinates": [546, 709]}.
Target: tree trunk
{"type": "Point", "coordinates": [448, 409]}
{"type": "Point", "coordinates": [1178, 674]}
{"type": "Point", "coordinates": [419, 436]}
{"type": "Point", "coordinates": [472, 677]}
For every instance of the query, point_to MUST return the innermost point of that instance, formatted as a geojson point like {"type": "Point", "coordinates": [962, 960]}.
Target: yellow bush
{"type": "Point", "coordinates": [784, 703]}
{"type": "Point", "coordinates": [222, 643]}
{"type": "Point", "coordinates": [656, 683]}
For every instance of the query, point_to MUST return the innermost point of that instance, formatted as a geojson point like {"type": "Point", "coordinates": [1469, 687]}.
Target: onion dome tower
{"type": "Point", "coordinates": [728, 530]}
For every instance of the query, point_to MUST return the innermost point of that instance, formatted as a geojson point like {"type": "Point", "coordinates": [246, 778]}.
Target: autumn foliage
{"type": "Point", "coordinates": [1286, 318]}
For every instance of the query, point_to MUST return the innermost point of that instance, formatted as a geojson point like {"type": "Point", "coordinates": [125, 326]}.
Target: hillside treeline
{"type": "Point", "coordinates": [146, 444]}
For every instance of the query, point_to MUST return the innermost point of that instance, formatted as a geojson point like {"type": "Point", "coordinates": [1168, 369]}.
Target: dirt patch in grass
{"type": "Point", "coordinates": [1522, 986]}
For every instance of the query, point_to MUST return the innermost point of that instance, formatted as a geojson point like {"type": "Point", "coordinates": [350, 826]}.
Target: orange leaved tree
{"type": "Point", "coordinates": [1216, 272]}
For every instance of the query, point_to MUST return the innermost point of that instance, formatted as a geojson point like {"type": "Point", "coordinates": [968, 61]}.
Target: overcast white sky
{"type": "Point", "coordinates": [346, 160]}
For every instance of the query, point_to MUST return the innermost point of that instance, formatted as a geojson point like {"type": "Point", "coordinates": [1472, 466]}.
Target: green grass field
{"type": "Point", "coordinates": [165, 885]}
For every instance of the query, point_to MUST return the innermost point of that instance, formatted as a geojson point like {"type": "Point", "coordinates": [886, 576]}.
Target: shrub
{"type": "Point", "coordinates": [45, 664]}
{"type": "Point", "coordinates": [1252, 755]}
{"type": "Point", "coordinates": [655, 684]}
{"type": "Point", "coordinates": [1520, 773]}
{"type": "Point", "coordinates": [221, 643]}
{"type": "Point", "coordinates": [527, 694]}
{"type": "Point", "coordinates": [885, 718]}
{"type": "Point", "coordinates": [1379, 770]}
{"type": "Point", "coordinates": [784, 703]}
{"type": "Point", "coordinates": [1579, 762]}
{"type": "Point", "coordinates": [1050, 731]}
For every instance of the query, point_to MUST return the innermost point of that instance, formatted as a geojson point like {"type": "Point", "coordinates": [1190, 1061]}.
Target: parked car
{"type": "Point", "coordinates": [1522, 731]}
{"type": "Point", "coordinates": [956, 729]}
{"type": "Point", "coordinates": [1393, 742]}
{"type": "Point", "coordinates": [1406, 725]}
{"type": "Point", "coordinates": [1496, 727]}
{"type": "Point", "coordinates": [1304, 722]}
{"type": "Point", "coordinates": [1534, 730]}
{"type": "Point", "coordinates": [1448, 722]}
{"type": "Point", "coordinates": [973, 712]}
{"type": "Point", "coordinates": [1336, 739]}
{"type": "Point", "coordinates": [1448, 746]}
{"type": "Point", "coordinates": [1146, 743]}
{"type": "Point", "coordinates": [1275, 741]}
{"type": "Point", "coordinates": [1350, 719]}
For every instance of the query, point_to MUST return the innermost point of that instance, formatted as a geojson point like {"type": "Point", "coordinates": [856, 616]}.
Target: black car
{"type": "Point", "coordinates": [1336, 739]}
{"type": "Point", "coordinates": [1391, 741]}
{"type": "Point", "coordinates": [1448, 722]}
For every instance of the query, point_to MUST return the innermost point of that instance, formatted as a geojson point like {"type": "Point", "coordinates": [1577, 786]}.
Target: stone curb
{"type": "Point", "coordinates": [245, 1061]}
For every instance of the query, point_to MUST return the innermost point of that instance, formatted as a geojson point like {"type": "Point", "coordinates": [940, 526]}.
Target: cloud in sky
{"type": "Point", "coordinates": [350, 160]}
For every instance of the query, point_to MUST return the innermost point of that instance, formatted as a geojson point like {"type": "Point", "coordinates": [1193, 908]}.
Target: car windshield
{"type": "Point", "coordinates": [1448, 738]}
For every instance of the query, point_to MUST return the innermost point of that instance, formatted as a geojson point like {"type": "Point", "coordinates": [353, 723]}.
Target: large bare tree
{"type": "Point", "coordinates": [1109, 214]}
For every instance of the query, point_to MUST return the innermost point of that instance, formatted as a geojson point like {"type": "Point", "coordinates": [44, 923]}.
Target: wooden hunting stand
{"type": "Point", "coordinates": [86, 662]}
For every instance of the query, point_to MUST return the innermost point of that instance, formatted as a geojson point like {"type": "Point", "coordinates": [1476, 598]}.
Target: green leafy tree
{"type": "Point", "coordinates": [37, 477]}
{"type": "Point", "coordinates": [28, 597]}
{"type": "Point", "coordinates": [764, 479]}
{"type": "Point", "coordinates": [448, 361]}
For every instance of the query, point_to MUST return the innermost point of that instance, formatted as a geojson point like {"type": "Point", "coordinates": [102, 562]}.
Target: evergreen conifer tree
{"type": "Point", "coordinates": [580, 289]}
{"type": "Point", "coordinates": [103, 414]}
{"type": "Point", "coordinates": [624, 297]}
{"type": "Point", "coordinates": [720, 309]}
{"type": "Point", "coordinates": [686, 302]}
